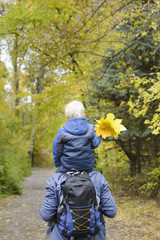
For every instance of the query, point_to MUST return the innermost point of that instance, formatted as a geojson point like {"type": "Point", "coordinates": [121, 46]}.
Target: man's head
{"type": "Point", "coordinates": [74, 109]}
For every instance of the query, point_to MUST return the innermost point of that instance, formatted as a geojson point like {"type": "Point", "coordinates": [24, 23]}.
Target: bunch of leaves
{"type": "Point", "coordinates": [109, 127]}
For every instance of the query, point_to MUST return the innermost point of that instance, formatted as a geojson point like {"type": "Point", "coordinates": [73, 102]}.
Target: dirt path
{"type": "Point", "coordinates": [20, 220]}
{"type": "Point", "coordinates": [19, 215]}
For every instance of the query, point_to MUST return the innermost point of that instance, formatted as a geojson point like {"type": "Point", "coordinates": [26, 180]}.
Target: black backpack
{"type": "Point", "coordinates": [78, 214]}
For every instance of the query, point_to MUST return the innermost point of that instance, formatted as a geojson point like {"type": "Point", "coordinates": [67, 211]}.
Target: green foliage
{"type": "Point", "coordinates": [14, 167]}
{"type": "Point", "coordinates": [151, 187]}
{"type": "Point", "coordinates": [15, 164]}
{"type": "Point", "coordinates": [14, 147]}
{"type": "Point", "coordinates": [148, 102]}
{"type": "Point", "coordinates": [64, 35]}
{"type": "Point", "coordinates": [146, 184]}
{"type": "Point", "coordinates": [113, 163]}
{"type": "Point", "coordinates": [61, 43]}
{"type": "Point", "coordinates": [42, 156]}
{"type": "Point", "coordinates": [14, 158]}
{"type": "Point", "coordinates": [128, 80]}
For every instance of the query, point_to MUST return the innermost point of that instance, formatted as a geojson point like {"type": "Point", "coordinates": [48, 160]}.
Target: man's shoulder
{"type": "Point", "coordinates": [97, 177]}
{"type": "Point", "coordinates": [56, 179]}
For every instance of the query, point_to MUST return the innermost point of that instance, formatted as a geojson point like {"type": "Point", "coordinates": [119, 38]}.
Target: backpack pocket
{"type": "Point", "coordinates": [79, 221]}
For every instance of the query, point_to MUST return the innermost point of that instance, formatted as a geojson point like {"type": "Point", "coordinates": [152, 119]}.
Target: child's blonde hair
{"type": "Point", "coordinates": [74, 109]}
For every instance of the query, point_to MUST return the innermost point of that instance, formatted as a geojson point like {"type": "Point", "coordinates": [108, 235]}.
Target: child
{"type": "Point", "coordinates": [73, 144]}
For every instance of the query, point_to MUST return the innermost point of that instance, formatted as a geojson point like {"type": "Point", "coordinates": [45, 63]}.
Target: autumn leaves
{"type": "Point", "coordinates": [109, 126]}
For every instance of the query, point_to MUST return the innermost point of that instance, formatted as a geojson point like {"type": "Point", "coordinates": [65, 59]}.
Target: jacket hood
{"type": "Point", "coordinates": [76, 126]}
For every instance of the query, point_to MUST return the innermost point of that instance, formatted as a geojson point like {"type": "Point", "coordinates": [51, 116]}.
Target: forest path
{"type": "Point", "coordinates": [19, 215]}
{"type": "Point", "coordinates": [20, 220]}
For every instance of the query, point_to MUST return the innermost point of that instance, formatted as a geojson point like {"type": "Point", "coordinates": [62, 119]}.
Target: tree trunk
{"type": "Point", "coordinates": [133, 166]}
{"type": "Point", "coordinates": [129, 152]}
{"type": "Point", "coordinates": [16, 74]}
{"type": "Point", "coordinates": [138, 154]}
{"type": "Point", "coordinates": [39, 89]}
{"type": "Point", "coordinates": [155, 150]}
{"type": "Point", "coordinates": [32, 146]}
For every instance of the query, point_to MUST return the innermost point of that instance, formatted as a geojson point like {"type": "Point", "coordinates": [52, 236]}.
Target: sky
{"type": "Point", "coordinates": [4, 56]}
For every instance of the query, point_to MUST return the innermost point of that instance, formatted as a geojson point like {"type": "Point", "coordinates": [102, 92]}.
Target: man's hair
{"type": "Point", "coordinates": [74, 109]}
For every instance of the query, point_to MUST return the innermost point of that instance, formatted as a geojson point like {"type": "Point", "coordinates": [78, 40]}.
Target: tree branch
{"type": "Point", "coordinates": [85, 52]}
{"type": "Point", "coordinates": [112, 14]}
{"type": "Point", "coordinates": [88, 19]}
{"type": "Point", "coordinates": [75, 62]}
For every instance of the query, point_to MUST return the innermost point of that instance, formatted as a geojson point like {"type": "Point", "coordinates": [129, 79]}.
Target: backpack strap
{"type": "Point", "coordinates": [73, 172]}
{"type": "Point", "coordinates": [95, 237]}
{"type": "Point", "coordinates": [49, 229]}
{"type": "Point", "coordinates": [60, 207]}
{"type": "Point", "coordinates": [97, 202]}
{"type": "Point", "coordinates": [89, 236]}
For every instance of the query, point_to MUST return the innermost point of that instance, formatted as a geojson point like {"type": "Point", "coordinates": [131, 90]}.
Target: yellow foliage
{"type": "Point", "coordinates": [109, 127]}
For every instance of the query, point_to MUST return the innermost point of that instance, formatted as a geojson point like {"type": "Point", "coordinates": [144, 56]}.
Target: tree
{"type": "Point", "coordinates": [63, 37]}
{"type": "Point", "coordinates": [14, 161]}
{"type": "Point", "coordinates": [137, 57]}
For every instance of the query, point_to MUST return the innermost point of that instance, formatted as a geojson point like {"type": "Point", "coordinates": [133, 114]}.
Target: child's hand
{"type": "Point", "coordinates": [109, 127]}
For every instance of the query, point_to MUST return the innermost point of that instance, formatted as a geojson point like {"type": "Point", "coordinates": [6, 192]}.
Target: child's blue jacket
{"type": "Point", "coordinates": [73, 144]}
{"type": "Point", "coordinates": [54, 191]}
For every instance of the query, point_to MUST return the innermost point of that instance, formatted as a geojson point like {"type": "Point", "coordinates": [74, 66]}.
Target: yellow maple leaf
{"type": "Point", "coordinates": [109, 127]}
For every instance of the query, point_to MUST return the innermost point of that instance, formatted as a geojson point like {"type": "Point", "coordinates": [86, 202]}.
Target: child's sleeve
{"type": "Point", "coordinates": [96, 140]}
{"type": "Point", "coordinates": [55, 148]}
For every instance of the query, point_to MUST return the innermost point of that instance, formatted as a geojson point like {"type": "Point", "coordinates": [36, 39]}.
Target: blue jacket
{"type": "Point", "coordinates": [54, 191]}
{"type": "Point", "coordinates": [73, 144]}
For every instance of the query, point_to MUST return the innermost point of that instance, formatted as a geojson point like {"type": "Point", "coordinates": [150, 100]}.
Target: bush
{"type": "Point", "coordinates": [151, 187]}
{"type": "Point", "coordinates": [114, 163]}
{"type": "Point", "coordinates": [146, 184]}
{"type": "Point", "coordinates": [14, 161]}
